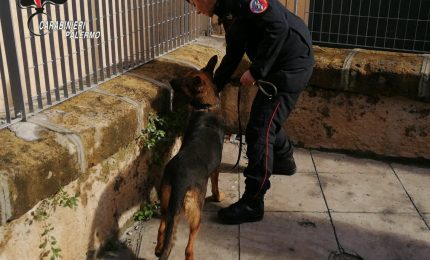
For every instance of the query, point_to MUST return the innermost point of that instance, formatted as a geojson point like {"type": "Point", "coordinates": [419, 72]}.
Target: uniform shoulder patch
{"type": "Point", "coordinates": [258, 6]}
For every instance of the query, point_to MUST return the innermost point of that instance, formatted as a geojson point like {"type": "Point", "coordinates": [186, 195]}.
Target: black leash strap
{"type": "Point", "coordinates": [240, 129]}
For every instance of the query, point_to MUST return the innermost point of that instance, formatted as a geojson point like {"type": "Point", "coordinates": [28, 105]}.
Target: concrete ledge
{"type": "Point", "coordinates": [374, 73]}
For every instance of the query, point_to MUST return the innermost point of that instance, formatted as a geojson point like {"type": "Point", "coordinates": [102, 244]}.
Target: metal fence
{"type": "Point", "coordinates": [39, 71]}
{"type": "Point", "coordinates": [396, 25]}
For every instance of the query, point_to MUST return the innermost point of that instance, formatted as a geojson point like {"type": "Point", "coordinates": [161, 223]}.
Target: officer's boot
{"type": "Point", "coordinates": [247, 209]}
{"type": "Point", "coordinates": [284, 165]}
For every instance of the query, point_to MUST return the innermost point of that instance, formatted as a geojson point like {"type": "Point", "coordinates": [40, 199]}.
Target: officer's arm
{"type": "Point", "coordinates": [275, 33]}
{"type": "Point", "coordinates": [234, 52]}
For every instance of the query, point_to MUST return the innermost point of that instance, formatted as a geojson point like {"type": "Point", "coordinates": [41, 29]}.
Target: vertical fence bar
{"type": "Point", "coordinates": [296, 3]}
{"type": "Point", "coordinates": [62, 57]}
{"type": "Point", "coordinates": [147, 31]}
{"type": "Point", "coordinates": [175, 23]}
{"type": "Point", "coordinates": [86, 47]}
{"type": "Point", "coordinates": [12, 60]}
{"type": "Point", "coordinates": [153, 33]}
{"type": "Point", "coordinates": [119, 33]}
{"type": "Point", "coordinates": [368, 22]}
{"type": "Point", "coordinates": [77, 48]}
{"type": "Point", "coordinates": [124, 30]}
{"type": "Point", "coordinates": [426, 34]}
{"type": "Point", "coordinates": [386, 26]}
{"type": "Point", "coordinates": [106, 36]}
{"type": "Point", "coordinates": [157, 28]}
{"type": "Point", "coordinates": [100, 42]}
{"type": "Point", "coordinates": [114, 35]}
{"type": "Point", "coordinates": [141, 32]}
{"type": "Point", "coordinates": [166, 26]}
{"type": "Point", "coordinates": [71, 67]}
{"type": "Point", "coordinates": [416, 27]}
{"type": "Point", "coordinates": [4, 87]}
{"type": "Point", "coordinates": [35, 67]}
{"type": "Point", "coordinates": [44, 66]}
{"type": "Point", "coordinates": [93, 26]}
{"type": "Point", "coordinates": [54, 59]}
{"type": "Point", "coordinates": [322, 19]}
{"type": "Point", "coordinates": [130, 31]}
{"type": "Point", "coordinates": [25, 61]}
{"type": "Point", "coordinates": [397, 24]}
{"type": "Point", "coordinates": [358, 24]}
{"type": "Point", "coordinates": [136, 32]}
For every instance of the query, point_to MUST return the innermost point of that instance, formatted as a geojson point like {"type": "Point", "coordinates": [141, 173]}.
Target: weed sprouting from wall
{"type": "Point", "coordinates": [161, 132]}
{"type": "Point", "coordinates": [49, 246]}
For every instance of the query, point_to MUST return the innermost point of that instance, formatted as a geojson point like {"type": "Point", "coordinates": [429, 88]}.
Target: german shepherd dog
{"type": "Point", "coordinates": [183, 186]}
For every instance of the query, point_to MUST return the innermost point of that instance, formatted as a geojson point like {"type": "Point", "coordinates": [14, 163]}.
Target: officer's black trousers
{"type": "Point", "coordinates": [265, 136]}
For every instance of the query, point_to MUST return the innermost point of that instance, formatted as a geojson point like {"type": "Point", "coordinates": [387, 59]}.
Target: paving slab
{"type": "Point", "coordinates": [287, 236]}
{"type": "Point", "coordinates": [300, 192]}
{"type": "Point", "coordinates": [303, 159]}
{"type": "Point", "coordinates": [427, 218]}
{"type": "Point", "coordinates": [341, 163]}
{"type": "Point", "coordinates": [383, 236]}
{"type": "Point", "coordinates": [228, 184]}
{"type": "Point", "coordinates": [416, 182]}
{"type": "Point", "coordinates": [365, 192]}
{"type": "Point", "coordinates": [214, 241]}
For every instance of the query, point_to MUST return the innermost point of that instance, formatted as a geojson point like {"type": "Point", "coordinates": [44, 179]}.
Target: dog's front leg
{"type": "Point", "coordinates": [216, 194]}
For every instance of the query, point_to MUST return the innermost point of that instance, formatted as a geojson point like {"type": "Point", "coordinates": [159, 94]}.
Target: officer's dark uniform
{"type": "Point", "coordinates": [279, 45]}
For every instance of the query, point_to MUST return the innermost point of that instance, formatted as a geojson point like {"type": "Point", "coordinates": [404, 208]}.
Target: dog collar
{"type": "Point", "coordinates": [198, 106]}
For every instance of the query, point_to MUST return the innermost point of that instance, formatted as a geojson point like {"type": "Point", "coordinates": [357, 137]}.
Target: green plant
{"type": "Point", "coordinates": [161, 132]}
{"type": "Point", "coordinates": [49, 244]}
{"type": "Point", "coordinates": [146, 212]}
{"type": "Point", "coordinates": [47, 206]}
{"type": "Point", "coordinates": [42, 211]}
{"type": "Point", "coordinates": [63, 199]}
{"type": "Point", "coordinates": [154, 133]}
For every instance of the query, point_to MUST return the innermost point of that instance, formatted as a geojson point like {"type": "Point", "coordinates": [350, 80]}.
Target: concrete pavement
{"type": "Point", "coordinates": [379, 210]}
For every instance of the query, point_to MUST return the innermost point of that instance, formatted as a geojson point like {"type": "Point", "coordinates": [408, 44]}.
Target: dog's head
{"type": "Point", "coordinates": [198, 85]}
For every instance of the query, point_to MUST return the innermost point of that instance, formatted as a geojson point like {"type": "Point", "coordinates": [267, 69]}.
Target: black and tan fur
{"type": "Point", "coordinates": [183, 187]}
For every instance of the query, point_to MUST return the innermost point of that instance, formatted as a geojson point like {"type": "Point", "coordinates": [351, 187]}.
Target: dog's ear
{"type": "Point", "coordinates": [211, 65]}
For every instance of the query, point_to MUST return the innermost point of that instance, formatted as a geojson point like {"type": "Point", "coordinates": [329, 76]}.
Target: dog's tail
{"type": "Point", "coordinates": [176, 202]}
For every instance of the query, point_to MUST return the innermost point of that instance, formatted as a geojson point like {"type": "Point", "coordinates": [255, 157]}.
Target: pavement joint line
{"type": "Point", "coordinates": [340, 248]}
{"type": "Point", "coordinates": [410, 197]}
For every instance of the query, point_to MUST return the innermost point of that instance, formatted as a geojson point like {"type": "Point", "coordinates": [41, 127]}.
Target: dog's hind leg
{"type": "Point", "coordinates": [165, 197]}
{"type": "Point", "coordinates": [193, 205]}
{"type": "Point", "coordinates": [216, 194]}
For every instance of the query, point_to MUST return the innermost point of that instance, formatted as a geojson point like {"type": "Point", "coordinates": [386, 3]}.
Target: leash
{"type": "Point", "coordinates": [260, 84]}
{"type": "Point", "coordinates": [270, 94]}
{"type": "Point", "coordinates": [240, 129]}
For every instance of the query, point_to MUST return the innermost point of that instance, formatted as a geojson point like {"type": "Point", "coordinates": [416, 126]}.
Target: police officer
{"type": "Point", "coordinates": [279, 45]}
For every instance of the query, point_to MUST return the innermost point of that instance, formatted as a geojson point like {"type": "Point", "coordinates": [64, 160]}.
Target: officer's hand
{"type": "Point", "coordinates": [247, 79]}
